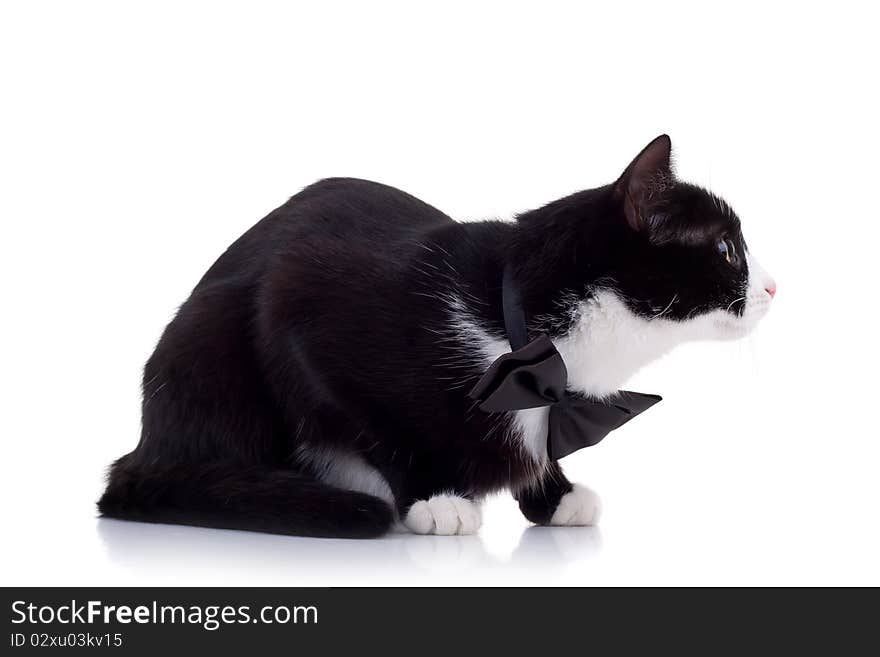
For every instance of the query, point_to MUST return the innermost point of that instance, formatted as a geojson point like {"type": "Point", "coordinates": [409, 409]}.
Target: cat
{"type": "Point", "coordinates": [316, 380]}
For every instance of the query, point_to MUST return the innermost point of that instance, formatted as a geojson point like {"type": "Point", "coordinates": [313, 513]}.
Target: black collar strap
{"type": "Point", "coordinates": [533, 375]}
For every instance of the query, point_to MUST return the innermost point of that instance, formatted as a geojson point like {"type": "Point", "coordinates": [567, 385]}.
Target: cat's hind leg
{"type": "Point", "coordinates": [229, 495]}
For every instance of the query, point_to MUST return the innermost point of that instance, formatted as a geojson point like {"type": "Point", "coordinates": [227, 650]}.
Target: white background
{"type": "Point", "coordinates": [137, 140]}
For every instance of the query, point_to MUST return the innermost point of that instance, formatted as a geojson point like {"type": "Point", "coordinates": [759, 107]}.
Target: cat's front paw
{"type": "Point", "coordinates": [579, 507]}
{"type": "Point", "coordinates": [443, 515]}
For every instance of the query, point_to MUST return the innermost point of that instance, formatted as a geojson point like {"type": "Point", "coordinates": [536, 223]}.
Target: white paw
{"type": "Point", "coordinates": [579, 507]}
{"type": "Point", "coordinates": [443, 515]}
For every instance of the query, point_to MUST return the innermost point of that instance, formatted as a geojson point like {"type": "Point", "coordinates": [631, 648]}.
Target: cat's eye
{"type": "Point", "coordinates": [727, 250]}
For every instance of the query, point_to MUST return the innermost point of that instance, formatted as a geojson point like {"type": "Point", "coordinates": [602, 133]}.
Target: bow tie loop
{"type": "Point", "coordinates": [530, 377]}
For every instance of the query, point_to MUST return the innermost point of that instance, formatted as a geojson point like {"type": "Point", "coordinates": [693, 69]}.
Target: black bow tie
{"type": "Point", "coordinates": [533, 375]}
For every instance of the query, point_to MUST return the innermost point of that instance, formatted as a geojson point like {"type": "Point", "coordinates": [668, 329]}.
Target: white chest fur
{"type": "Point", "coordinates": [604, 345]}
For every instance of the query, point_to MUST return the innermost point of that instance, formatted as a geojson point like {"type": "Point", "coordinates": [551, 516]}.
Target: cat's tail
{"type": "Point", "coordinates": [229, 496]}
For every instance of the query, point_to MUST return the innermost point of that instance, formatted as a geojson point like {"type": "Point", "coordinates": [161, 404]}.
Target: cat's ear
{"type": "Point", "coordinates": [641, 185]}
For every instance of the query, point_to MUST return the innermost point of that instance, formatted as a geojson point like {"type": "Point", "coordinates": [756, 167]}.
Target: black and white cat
{"type": "Point", "coordinates": [315, 382]}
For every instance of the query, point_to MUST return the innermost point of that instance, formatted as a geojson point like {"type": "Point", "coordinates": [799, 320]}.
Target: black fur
{"type": "Point", "coordinates": [327, 324]}
{"type": "Point", "coordinates": [538, 503]}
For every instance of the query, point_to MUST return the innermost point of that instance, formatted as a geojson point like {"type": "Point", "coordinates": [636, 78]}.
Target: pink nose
{"type": "Point", "coordinates": [770, 288]}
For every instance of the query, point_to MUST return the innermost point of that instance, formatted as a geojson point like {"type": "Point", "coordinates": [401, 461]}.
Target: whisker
{"type": "Point", "coordinates": [735, 301]}
{"type": "Point", "coordinates": [666, 309]}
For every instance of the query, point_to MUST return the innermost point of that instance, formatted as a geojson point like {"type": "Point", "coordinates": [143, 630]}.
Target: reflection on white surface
{"type": "Point", "coordinates": [169, 551]}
